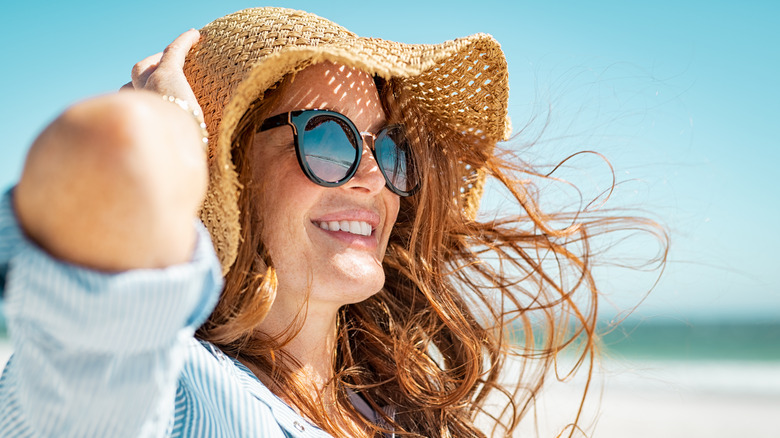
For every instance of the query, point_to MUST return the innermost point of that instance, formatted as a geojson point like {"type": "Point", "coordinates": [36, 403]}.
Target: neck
{"type": "Point", "coordinates": [313, 344]}
{"type": "Point", "coordinates": [313, 347]}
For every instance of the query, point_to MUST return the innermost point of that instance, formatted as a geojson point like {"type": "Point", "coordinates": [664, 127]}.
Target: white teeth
{"type": "Point", "coordinates": [353, 227]}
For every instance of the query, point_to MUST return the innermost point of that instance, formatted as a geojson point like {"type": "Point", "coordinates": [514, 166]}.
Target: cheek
{"type": "Point", "coordinates": [285, 200]}
{"type": "Point", "coordinates": [392, 205]}
{"type": "Point", "coordinates": [281, 201]}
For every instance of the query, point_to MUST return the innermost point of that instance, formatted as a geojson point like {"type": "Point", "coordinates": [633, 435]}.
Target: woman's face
{"type": "Point", "coordinates": [340, 267]}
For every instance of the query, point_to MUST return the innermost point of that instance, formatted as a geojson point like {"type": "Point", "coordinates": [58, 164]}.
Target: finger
{"type": "Point", "coordinates": [143, 69]}
{"type": "Point", "coordinates": [173, 55]}
{"type": "Point", "coordinates": [127, 86]}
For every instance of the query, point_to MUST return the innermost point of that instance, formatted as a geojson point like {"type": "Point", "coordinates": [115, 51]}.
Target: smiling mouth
{"type": "Point", "coordinates": [353, 227]}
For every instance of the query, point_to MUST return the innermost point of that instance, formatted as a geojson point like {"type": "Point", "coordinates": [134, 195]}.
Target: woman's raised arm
{"type": "Point", "coordinates": [108, 195]}
{"type": "Point", "coordinates": [114, 182]}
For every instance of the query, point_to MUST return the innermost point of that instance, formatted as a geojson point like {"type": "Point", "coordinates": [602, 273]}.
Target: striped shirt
{"type": "Point", "coordinates": [113, 355]}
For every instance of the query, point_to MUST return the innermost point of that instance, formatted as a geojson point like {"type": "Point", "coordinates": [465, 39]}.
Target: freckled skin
{"type": "Point", "coordinates": [305, 255]}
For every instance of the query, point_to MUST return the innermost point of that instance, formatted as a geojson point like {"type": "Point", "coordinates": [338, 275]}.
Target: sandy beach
{"type": "Point", "coordinates": [668, 399]}
{"type": "Point", "coordinates": [663, 399]}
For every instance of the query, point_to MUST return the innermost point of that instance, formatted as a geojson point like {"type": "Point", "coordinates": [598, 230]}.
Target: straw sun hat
{"type": "Point", "coordinates": [461, 84]}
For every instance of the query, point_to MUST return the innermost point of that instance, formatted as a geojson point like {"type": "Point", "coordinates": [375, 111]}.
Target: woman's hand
{"type": "Point", "coordinates": [163, 72]}
{"type": "Point", "coordinates": [115, 181]}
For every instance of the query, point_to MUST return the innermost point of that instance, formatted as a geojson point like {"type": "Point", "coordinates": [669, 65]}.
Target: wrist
{"type": "Point", "coordinates": [196, 114]}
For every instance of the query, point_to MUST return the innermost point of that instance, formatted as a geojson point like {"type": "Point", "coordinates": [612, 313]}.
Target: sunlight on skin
{"type": "Point", "coordinates": [360, 87]}
{"type": "Point", "coordinates": [318, 270]}
{"type": "Point", "coordinates": [365, 191]}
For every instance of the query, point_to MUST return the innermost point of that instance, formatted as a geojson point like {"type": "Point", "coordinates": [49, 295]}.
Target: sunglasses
{"type": "Point", "coordinates": [329, 147]}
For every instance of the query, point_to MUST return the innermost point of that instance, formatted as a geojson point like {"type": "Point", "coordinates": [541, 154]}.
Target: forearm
{"type": "Point", "coordinates": [114, 183]}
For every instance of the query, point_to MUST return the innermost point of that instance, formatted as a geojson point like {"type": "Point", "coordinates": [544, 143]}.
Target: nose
{"type": "Point", "coordinates": [368, 176]}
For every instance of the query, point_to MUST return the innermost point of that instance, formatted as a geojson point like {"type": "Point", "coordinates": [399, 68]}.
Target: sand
{"type": "Point", "coordinates": [669, 400]}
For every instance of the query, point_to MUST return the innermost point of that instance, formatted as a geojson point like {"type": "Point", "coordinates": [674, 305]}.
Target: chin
{"type": "Point", "coordinates": [361, 289]}
{"type": "Point", "coordinates": [356, 283]}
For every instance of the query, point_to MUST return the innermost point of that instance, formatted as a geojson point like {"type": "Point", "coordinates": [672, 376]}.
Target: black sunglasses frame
{"type": "Point", "coordinates": [298, 120]}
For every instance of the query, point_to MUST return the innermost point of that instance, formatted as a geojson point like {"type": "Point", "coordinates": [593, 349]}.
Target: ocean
{"type": "Point", "coordinates": [743, 341]}
{"type": "Point", "coordinates": [672, 379]}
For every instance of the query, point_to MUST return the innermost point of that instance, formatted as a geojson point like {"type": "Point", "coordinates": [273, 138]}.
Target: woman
{"type": "Point", "coordinates": [344, 176]}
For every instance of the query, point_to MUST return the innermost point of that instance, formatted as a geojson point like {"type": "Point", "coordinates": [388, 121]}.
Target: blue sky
{"type": "Point", "coordinates": [680, 96]}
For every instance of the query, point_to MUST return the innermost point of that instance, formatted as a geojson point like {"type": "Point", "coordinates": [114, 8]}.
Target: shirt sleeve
{"type": "Point", "coordinates": [11, 237]}
{"type": "Point", "coordinates": [96, 354]}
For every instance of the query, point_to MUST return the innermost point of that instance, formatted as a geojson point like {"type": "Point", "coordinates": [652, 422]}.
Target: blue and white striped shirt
{"type": "Point", "coordinates": [113, 355]}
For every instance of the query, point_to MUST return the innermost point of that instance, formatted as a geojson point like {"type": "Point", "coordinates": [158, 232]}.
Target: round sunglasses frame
{"type": "Point", "coordinates": [299, 118]}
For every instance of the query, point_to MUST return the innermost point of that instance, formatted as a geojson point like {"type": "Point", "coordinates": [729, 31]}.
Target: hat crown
{"type": "Point", "coordinates": [258, 32]}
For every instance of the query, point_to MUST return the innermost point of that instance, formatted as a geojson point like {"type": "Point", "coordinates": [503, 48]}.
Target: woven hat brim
{"type": "Point", "coordinates": [462, 83]}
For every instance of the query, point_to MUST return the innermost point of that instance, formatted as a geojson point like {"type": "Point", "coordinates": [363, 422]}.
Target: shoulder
{"type": "Point", "coordinates": [218, 396]}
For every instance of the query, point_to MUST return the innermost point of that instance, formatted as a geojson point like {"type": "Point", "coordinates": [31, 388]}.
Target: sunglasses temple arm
{"type": "Point", "coordinates": [276, 121]}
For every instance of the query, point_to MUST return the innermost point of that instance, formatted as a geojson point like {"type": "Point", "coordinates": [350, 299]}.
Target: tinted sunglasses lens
{"type": "Point", "coordinates": [395, 159]}
{"type": "Point", "coordinates": [329, 148]}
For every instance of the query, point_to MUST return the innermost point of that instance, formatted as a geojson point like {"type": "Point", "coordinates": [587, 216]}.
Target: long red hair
{"type": "Point", "coordinates": [461, 296]}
